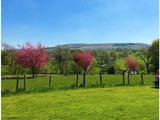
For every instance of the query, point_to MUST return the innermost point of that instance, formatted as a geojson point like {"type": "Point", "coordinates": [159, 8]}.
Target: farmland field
{"type": "Point", "coordinates": [138, 102]}
{"type": "Point", "coordinates": [67, 82]}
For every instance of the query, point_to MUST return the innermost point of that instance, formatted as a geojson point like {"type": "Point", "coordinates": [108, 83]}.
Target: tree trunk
{"type": "Point", "coordinates": [33, 72]}
{"type": "Point", "coordinates": [142, 78]}
{"type": "Point", "coordinates": [84, 79]}
{"type": "Point", "coordinates": [148, 69]}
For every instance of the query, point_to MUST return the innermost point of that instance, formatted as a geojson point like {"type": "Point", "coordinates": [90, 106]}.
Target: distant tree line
{"type": "Point", "coordinates": [61, 60]}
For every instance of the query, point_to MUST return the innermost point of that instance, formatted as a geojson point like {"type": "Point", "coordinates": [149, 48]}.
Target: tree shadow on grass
{"type": "Point", "coordinates": [6, 92]}
{"type": "Point", "coordinates": [155, 87]}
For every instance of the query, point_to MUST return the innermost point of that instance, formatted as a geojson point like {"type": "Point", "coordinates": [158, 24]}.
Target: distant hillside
{"type": "Point", "coordinates": [105, 46]}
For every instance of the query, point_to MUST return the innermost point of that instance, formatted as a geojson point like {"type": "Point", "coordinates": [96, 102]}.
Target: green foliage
{"type": "Point", "coordinates": [62, 62]}
{"type": "Point", "coordinates": [121, 65]}
{"type": "Point", "coordinates": [18, 70]}
{"type": "Point", "coordinates": [111, 69]}
{"type": "Point", "coordinates": [62, 57]}
{"type": "Point", "coordinates": [154, 53]}
{"type": "Point", "coordinates": [145, 57]}
{"type": "Point", "coordinates": [4, 69]}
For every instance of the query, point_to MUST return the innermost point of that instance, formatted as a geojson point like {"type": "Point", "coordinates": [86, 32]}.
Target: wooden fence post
{"type": "Point", "coordinates": [128, 78]}
{"type": "Point", "coordinates": [50, 81]}
{"type": "Point", "coordinates": [100, 75]}
{"type": "Point", "coordinates": [24, 82]}
{"type": "Point", "coordinates": [142, 78]}
{"type": "Point", "coordinates": [17, 83]}
{"type": "Point", "coordinates": [123, 79]}
{"type": "Point", "coordinates": [77, 79]}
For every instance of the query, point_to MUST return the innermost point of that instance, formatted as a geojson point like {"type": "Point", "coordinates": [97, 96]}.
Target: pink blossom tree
{"type": "Point", "coordinates": [131, 64]}
{"type": "Point", "coordinates": [83, 60]}
{"type": "Point", "coordinates": [32, 57]}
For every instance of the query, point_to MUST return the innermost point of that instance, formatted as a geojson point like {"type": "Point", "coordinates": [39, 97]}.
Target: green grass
{"type": "Point", "coordinates": [114, 103]}
{"type": "Point", "coordinates": [68, 82]}
{"type": "Point", "coordinates": [121, 64]}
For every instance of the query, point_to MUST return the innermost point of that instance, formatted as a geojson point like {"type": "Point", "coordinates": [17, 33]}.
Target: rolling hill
{"type": "Point", "coordinates": [107, 46]}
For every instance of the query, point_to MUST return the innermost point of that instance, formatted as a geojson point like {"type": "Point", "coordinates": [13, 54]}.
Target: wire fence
{"type": "Point", "coordinates": [27, 83]}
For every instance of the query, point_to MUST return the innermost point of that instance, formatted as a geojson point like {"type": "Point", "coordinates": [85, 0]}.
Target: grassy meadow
{"type": "Point", "coordinates": [66, 101]}
{"type": "Point", "coordinates": [69, 82]}
{"type": "Point", "coordinates": [113, 103]}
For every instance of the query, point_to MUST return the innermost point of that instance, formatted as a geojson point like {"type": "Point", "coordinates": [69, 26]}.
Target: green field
{"type": "Point", "coordinates": [68, 82]}
{"type": "Point", "coordinates": [114, 103]}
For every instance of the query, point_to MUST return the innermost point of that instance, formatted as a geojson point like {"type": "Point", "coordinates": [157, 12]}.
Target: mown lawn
{"type": "Point", "coordinates": [132, 103]}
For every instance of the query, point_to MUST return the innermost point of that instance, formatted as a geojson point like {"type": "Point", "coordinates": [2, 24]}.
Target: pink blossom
{"type": "Point", "coordinates": [131, 64]}
{"type": "Point", "coordinates": [31, 57]}
{"type": "Point", "coordinates": [83, 59]}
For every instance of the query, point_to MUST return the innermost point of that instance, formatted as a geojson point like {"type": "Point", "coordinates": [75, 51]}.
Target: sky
{"type": "Point", "coordinates": [58, 22]}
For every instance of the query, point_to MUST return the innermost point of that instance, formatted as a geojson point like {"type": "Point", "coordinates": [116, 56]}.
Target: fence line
{"type": "Point", "coordinates": [105, 80]}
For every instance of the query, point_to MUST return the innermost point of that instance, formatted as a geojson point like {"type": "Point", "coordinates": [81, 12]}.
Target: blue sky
{"type": "Point", "coordinates": [54, 22]}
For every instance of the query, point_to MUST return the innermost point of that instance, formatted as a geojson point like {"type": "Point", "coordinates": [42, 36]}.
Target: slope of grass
{"type": "Point", "coordinates": [121, 64]}
{"type": "Point", "coordinates": [130, 103]}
